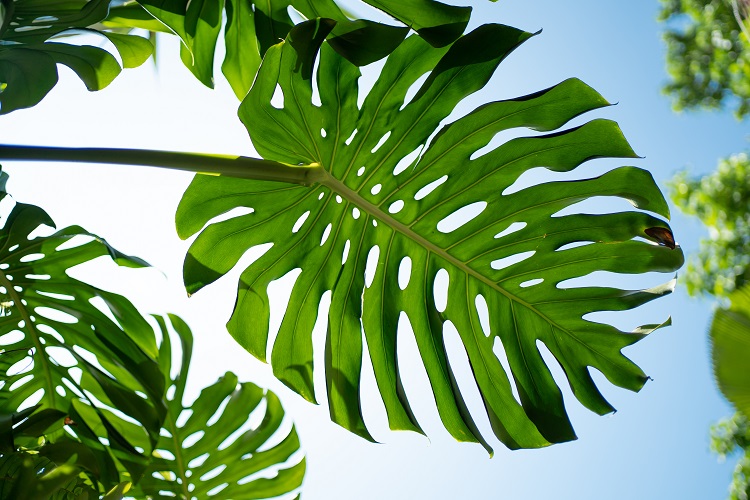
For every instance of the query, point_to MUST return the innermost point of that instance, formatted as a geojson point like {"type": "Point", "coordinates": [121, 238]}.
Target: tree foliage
{"type": "Point", "coordinates": [729, 437]}
{"type": "Point", "coordinates": [721, 200]}
{"type": "Point", "coordinates": [707, 54]}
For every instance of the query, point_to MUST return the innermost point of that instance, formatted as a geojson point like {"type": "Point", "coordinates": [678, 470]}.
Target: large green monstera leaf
{"type": "Point", "coordinates": [72, 347]}
{"type": "Point", "coordinates": [384, 185]}
{"type": "Point", "coordinates": [730, 350]}
{"type": "Point", "coordinates": [206, 451]}
{"type": "Point", "coordinates": [29, 56]}
{"type": "Point", "coordinates": [252, 27]}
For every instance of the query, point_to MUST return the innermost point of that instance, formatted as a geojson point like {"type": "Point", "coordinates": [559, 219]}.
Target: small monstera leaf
{"type": "Point", "coordinates": [73, 347]}
{"type": "Point", "coordinates": [385, 183]}
{"type": "Point", "coordinates": [252, 27]}
{"type": "Point", "coordinates": [208, 453]}
{"type": "Point", "coordinates": [29, 57]}
{"type": "Point", "coordinates": [730, 349]}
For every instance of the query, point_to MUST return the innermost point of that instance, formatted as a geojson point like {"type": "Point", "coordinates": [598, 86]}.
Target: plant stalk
{"type": "Point", "coordinates": [241, 167]}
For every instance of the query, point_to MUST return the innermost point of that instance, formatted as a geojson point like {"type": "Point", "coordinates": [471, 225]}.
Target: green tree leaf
{"type": "Point", "coordinates": [708, 57]}
{"type": "Point", "coordinates": [223, 453]}
{"type": "Point", "coordinates": [29, 57]}
{"type": "Point", "coordinates": [388, 178]}
{"type": "Point", "coordinates": [252, 27]}
{"type": "Point", "coordinates": [721, 201]}
{"type": "Point", "coordinates": [60, 349]}
{"type": "Point", "coordinates": [730, 349]}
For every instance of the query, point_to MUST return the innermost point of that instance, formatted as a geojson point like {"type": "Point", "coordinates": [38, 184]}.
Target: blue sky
{"type": "Point", "coordinates": [655, 446]}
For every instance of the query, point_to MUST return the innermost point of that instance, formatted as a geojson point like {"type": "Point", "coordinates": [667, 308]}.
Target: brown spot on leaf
{"type": "Point", "coordinates": [69, 421]}
{"type": "Point", "coordinates": [662, 235]}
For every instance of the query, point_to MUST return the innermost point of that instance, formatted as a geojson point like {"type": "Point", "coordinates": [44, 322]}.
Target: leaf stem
{"type": "Point", "coordinates": [241, 167]}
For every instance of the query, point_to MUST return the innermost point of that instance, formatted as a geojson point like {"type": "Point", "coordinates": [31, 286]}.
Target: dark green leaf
{"type": "Point", "coordinates": [222, 454]}
{"type": "Point", "coordinates": [253, 27]}
{"type": "Point", "coordinates": [48, 314]}
{"type": "Point", "coordinates": [376, 164]}
{"type": "Point", "coordinates": [730, 350]}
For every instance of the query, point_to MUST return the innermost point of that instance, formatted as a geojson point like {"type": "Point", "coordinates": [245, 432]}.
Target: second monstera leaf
{"type": "Point", "coordinates": [373, 221]}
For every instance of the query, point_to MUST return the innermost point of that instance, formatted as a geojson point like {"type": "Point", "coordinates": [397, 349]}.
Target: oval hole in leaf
{"type": "Point", "coordinates": [213, 472]}
{"type": "Point", "coordinates": [31, 257]}
{"type": "Point", "coordinates": [198, 461]}
{"type": "Point", "coordinates": [20, 366]}
{"type": "Point", "coordinates": [483, 313]}
{"type": "Point", "coordinates": [62, 356]}
{"type": "Point", "coordinates": [511, 259]}
{"type": "Point", "coordinates": [216, 490]}
{"type": "Point", "coordinates": [574, 244]}
{"type": "Point", "coordinates": [166, 454]}
{"type": "Point", "coordinates": [351, 138]}
{"type": "Point", "coordinates": [326, 234]}
{"type": "Point", "coordinates": [396, 206]}
{"type": "Point", "coordinates": [361, 171]}
{"type": "Point", "coordinates": [59, 389]}
{"type": "Point", "coordinates": [11, 338]}
{"type": "Point", "coordinates": [404, 273]}
{"type": "Point", "coordinates": [52, 295]}
{"type": "Point", "coordinates": [32, 400]}
{"type": "Point", "coordinates": [381, 142]}
{"type": "Point", "coordinates": [192, 439]}
{"type": "Point", "coordinates": [338, 199]}
{"type": "Point", "coordinates": [183, 418]}
{"type": "Point", "coordinates": [41, 277]}
{"type": "Point", "coordinates": [346, 252]}
{"type": "Point", "coordinates": [440, 289]}
{"type": "Point", "coordinates": [55, 315]}
{"type": "Point", "coordinates": [407, 160]}
{"type": "Point", "coordinates": [376, 189]}
{"type": "Point", "coordinates": [300, 221]}
{"type": "Point", "coordinates": [372, 265]}
{"type": "Point", "coordinates": [532, 282]}
{"type": "Point", "coordinates": [277, 100]}
{"type": "Point", "coordinates": [429, 188]}
{"type": "Point", "coordinates": [516, 226]}
{"type": "Point", "coordinates": [49, 331]}
{"type": "Point", "coordinates": [355, 213]}
{"type": "Point", "coordinates": [461, 217]}
{"type": "Point", "coordinates": [413, 89]}
{"type": "Point", "coordinates": [21, 381]}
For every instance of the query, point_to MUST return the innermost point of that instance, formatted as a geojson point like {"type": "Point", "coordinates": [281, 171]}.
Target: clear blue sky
{"type": "Point", "coordinates": [654, 447]}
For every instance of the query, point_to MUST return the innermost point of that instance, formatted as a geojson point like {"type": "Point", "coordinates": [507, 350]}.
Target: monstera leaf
{"type": "Point", "coordinates": [75, 348]}
{"type": "Point", "coordinates": [29, 57]}
{"type": "Point", "coordinates": [730, 350]}
{"type": "Point", "coordinates": [252, 27]}
{"type": "Point", "coordinates": [28, 472]}
{"type": "Point", "coordinates": [373, 221]}
{"type": "Point", "coordinates": [209, 453]}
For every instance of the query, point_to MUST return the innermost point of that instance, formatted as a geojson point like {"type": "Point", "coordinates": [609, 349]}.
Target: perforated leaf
{"type": "Point", "coordinates": [73, 347]}
{"type": "Point", "coordinates": [389, 181]}
{"type": "Point", "coordinates": [211, 453]}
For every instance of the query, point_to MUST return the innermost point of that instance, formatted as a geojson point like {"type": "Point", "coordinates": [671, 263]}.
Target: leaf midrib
{"type": "Point", "coordinates": [353, 197]}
